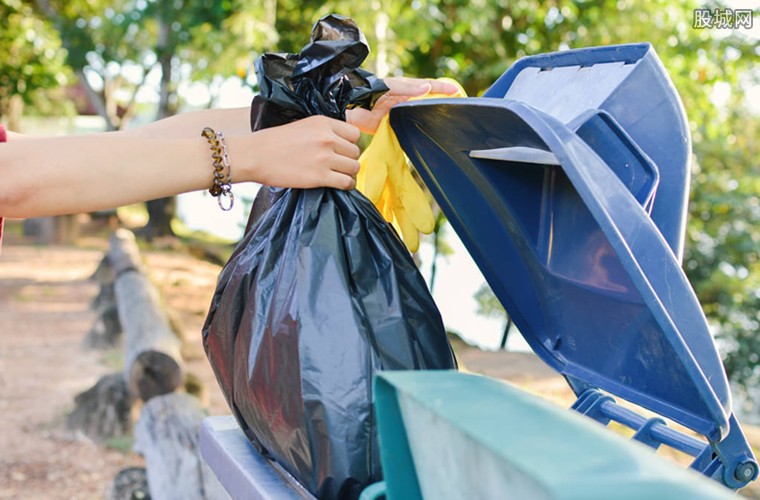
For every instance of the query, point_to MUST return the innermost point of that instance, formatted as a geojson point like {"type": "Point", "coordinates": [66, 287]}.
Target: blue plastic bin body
{"type": "Point", "coordinates": [573, 207]}
{"type": "Point", "coordinates": [630, 84]}
{"type": "Point", "coordinates": [568, 185]}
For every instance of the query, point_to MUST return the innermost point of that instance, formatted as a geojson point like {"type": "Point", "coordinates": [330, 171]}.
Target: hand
{"type": "Point", "coordinates": [386, 180]}
{"type": "Point", "coordinates": [313, 152]}
{"type": "Point", "coordinates": [401, 89]}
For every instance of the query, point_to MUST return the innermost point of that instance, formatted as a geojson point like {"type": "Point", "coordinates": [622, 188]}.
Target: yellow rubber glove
{"type": "Point", "coordinates": [386, 179]}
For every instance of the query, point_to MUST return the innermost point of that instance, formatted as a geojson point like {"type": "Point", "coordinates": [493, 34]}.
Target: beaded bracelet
{"type": "Point", "coordinates": [221, 161]}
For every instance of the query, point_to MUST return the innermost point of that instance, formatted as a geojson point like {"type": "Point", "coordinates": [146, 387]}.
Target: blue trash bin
{"type": "Point", "coordinates": [568, 185]}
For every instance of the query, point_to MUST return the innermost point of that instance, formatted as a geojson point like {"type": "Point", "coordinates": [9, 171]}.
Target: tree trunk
{"type": "Point", "coordinates": [63, 229]}
{"type": "Point", "coordinates": [167, 436]}
{"type": "Point", "coordinates": [97, 100]}
{"type": "Point", "coordinates": [160, 215]}
{"type": "Point", "coordinates": [106, 331]}
{"type": "Point", "coordinates": [15, 111]}
{"type": "Point", "coordinates": [382, 65]}
{"type": "Point", "coordinates": [162, 211]}
{"type": "Point", "coordinates": [152, 350]}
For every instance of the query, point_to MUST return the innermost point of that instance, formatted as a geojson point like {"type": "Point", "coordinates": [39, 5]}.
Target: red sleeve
{"type": "Point", "coordinates": [3, 138]}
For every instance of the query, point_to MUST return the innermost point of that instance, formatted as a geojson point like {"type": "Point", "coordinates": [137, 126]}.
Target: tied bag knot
{"type": "Point", "coordinates": [319, 295]}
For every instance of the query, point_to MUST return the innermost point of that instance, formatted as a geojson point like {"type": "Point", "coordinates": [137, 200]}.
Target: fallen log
{"type": "Point", "coordinates": [106, 331]}
{"type": "Point", "coordinates": [103, 411]}
{"type": "Point", "coordinates": [166, 434]}
{"type": "Point", "coordinates": [129, 484]}
{"type": "Point", "coordinates": [152, 350]}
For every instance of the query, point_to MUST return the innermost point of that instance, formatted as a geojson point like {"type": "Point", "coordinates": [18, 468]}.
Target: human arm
{"type": "Point", "coordinates": [42, 176]}
{"type": "Point", "coordinates": [237, 120]}
{"type": "Point", "coordinates": [81, 173]}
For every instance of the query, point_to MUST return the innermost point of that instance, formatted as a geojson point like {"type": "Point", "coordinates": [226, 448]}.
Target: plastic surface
{"type": "Point", "coordinates": [318, 296]}
{"type": "Point", "coordinates": [450, 435]}
{"type": "Point", "coordinates": [563, 232]}
{"type": "Point", "coordinates": [577, 262]}
{"type": "Point", "coordinates": [240, 468]}
{"type": "Point", "coordinates": [323, 79]}
{"type": "Point", "coordinates": [630, 84]}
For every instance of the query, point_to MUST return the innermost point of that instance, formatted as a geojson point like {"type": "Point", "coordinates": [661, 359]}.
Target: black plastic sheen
{"type": "Point", "coordinates": [320, 294]}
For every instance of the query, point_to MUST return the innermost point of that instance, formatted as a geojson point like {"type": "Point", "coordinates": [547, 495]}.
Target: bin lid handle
{"type": "Point", "coordinates": [518, 154]}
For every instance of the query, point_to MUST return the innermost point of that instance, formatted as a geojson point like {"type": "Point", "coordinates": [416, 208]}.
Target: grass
{"type": "Point", "coordinates": [114, 359]}
{"type": "Point", "coordinates": [122, 444]}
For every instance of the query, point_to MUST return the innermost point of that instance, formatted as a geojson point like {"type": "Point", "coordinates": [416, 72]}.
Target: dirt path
{"type": "Point", "coordinates": [44, 315]}
{"type": "Point", "coordinates": [44, 298]}
{"type": "Point", "coordinates": [45, 295]}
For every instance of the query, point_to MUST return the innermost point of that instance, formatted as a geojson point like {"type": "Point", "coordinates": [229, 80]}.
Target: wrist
{"type": "Point", "coordinates": [221, 186]}
{"type": "Point", "coordinates": [243, 158]}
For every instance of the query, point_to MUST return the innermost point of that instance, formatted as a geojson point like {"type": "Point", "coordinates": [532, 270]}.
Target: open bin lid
{"type": "Point", "coordinates": [630, 84]}
{"type": "Point", "coordinates": [570, 250]}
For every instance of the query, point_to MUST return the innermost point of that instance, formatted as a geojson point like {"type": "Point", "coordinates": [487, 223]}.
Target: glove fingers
{"type": "Point", "coordinates": [384, 205]}
{"type": "Point", "coordinates": [409, 232]}
{"type": "Point", "coordinates": [361, 177]}
{"type": "Point", "coordinates": [403, 223]}
{"type": "Point", "coordinates": [373, 165]}
{"type": "Point", "coordinates": [416, 204]}
{"type": "Point", "coordinates": [372, 175]}
{"type": "Point", "coordinates": [386, 180]}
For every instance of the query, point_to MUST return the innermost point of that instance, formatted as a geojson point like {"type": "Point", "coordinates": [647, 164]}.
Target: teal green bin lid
{"type": "Point", "coordinates": [445, 434]}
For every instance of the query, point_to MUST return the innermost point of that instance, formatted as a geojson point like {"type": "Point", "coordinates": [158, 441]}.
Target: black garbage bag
{"type": "Point", "coordinates": [319, 295]}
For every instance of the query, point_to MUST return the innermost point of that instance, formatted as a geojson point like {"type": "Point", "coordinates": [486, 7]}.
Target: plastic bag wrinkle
{"type": "Point", "coordinates": [320, 294]}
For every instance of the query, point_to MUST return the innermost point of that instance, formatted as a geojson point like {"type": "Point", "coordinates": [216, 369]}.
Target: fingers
{"type": "Point", "coordinates": [345, 130]}
{"type": "Point", "coordinates": [441, 86]}
{"type": "Point", "coordinates": [314, 152]}
{"type": "Point", "coordinates": [386, 102]}
{"type": "Point", "coordinates": [343, 172]}
{"type": "Point", "coordinates": [342, 163]}
{"type": "Point", "coordinates": [338, 180]}
{"type": "Point", "coordinates": [344, 145]}
{"type": "Point", "coordinates": [408, 87]}
{"type": "Point", "coordinates": [347, 149]}
{"type": "Point", "coordinates": [415, 87]}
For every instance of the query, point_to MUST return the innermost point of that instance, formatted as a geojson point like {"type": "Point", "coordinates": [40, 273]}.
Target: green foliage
{"type": "Point", "coordinates": [440, 247]}
{"type": "Point", "coordinates": [723, 242]}
{"type": "Point", "coordinates": [473, 41]}
{"type": "Point", "coordinates": [226, 47]}
{"type": "Point", "coordinates": [109, 53]}
{"type": "Point", "coordinates": [122, 444]}
{"type": "Point", "coordinates": [488, 304]}
{"type": "Point", "coordinates": [115, 45]}
{"type": "Point", "coordinates": [94, 32]}
{"type": "Point", "coordinates": [31, 57]}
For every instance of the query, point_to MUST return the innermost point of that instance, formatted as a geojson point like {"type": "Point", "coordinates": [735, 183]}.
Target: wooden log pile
{"type": "Point", "coordinates": [167, 436]}
{"type": "Point", "coordinates": [130, 313]}
{"type": "Point", "coordinates": [152, 350]}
